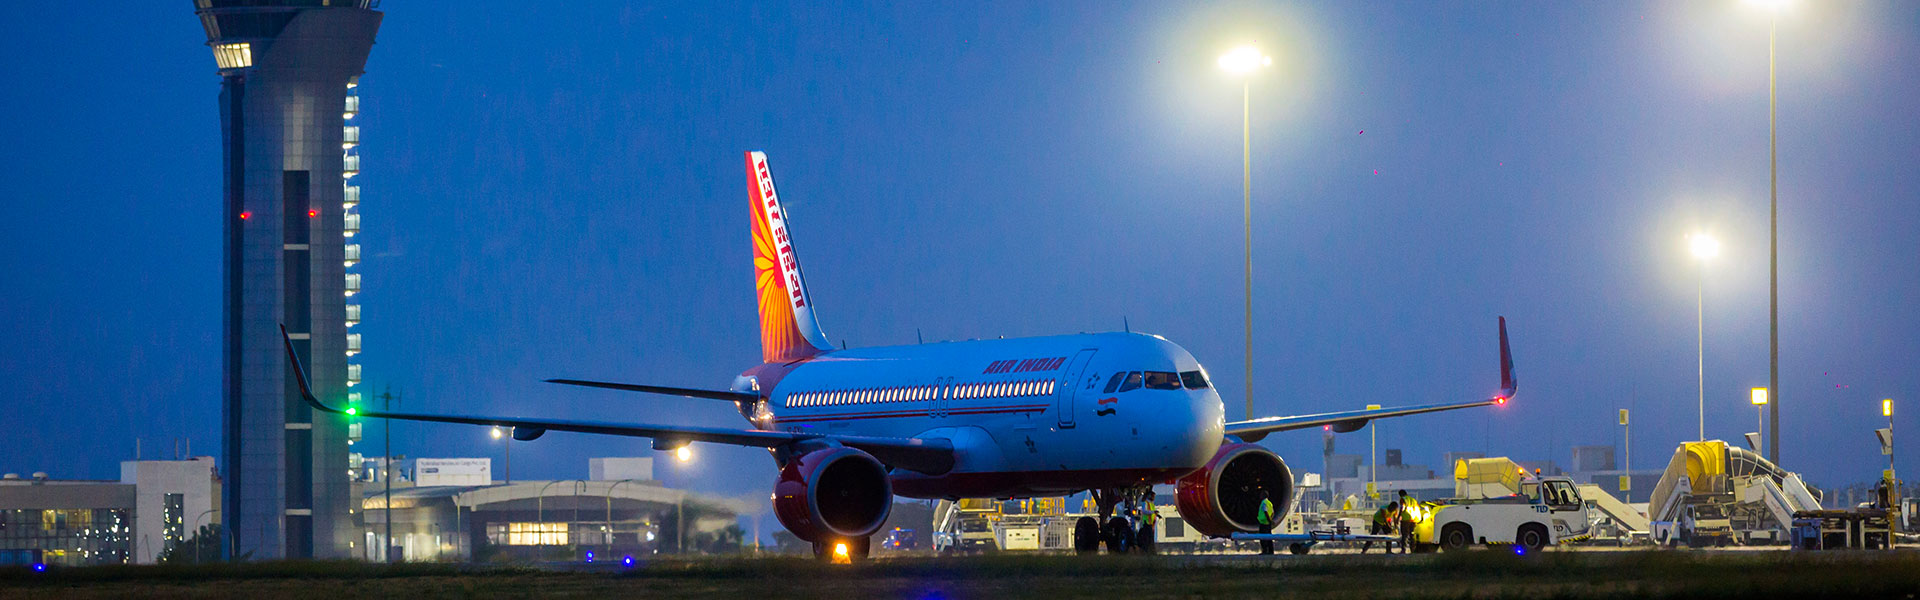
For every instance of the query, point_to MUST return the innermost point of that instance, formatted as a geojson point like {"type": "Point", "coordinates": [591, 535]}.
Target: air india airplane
{"type": "Point", "coordinates": [1109, 413]}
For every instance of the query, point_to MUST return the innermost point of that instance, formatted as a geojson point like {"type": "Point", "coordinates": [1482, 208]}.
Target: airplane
{"type": "Point", "coordinates": [851, 428]}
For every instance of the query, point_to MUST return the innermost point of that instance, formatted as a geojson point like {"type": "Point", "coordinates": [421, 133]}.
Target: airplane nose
{"type": "Point", "coordinates": [1205, 427]}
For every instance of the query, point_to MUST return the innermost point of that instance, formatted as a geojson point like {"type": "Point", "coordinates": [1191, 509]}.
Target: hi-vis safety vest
{"type": "Point", "coordinates": [1266, 512]}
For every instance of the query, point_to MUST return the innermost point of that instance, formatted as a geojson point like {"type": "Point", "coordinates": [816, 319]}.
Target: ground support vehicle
{"type": "Point", "coordinates": [1859, 529]}
{"type": "Point", "coordinates": [1713, 494]}
{"type": "Point", "coordinates": [1545, 512]}
{"type": "Point", "coordinates": [1302, 542]}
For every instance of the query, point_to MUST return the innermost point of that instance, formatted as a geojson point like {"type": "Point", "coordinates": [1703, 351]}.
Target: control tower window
{"type": "Point", "coordinates": [233, 56]}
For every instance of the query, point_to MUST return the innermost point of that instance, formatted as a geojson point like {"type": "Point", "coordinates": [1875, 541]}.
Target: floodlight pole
{"type": "Point", "coordinates": [1700, 314]}
{"type": "Point", "coordinates": [1246, 180]}
{"type": "Point", "coordinates": [1773, 251]}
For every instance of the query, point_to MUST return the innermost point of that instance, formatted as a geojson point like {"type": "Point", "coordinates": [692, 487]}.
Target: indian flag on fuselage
{"type": "Point", "coordinates": [788, 331]}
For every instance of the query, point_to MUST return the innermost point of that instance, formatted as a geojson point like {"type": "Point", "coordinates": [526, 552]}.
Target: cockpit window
{"type": "Point", "coordinates": [1114, 382]}
{"type": "Point", "coordinates": [1162, 380]}
{"type": "Point", "coordinates": [1131, 383]}
{"type": "Point", "coordinates": [1194, 380]}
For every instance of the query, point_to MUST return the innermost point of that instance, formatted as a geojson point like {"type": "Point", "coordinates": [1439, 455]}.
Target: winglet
{"type": "Point", "coordinates": [306, 392]}
{"type": "Point", "coordinates": [1508, 384]}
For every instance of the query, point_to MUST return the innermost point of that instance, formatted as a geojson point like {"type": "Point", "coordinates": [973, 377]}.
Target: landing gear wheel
{"type": "Point", "coordinates": [1456, 537]}
{"type": "Point", "coordinates": [1086, 535]}
{"type": "Point", "coordinates": [1119, 536]}
{"type": "Point", "coordinates": [1299, 549]}
{"type": "Point", "coordinates": [1531, 537]}
{"type": "Point", "coordinates": [1144, 540]}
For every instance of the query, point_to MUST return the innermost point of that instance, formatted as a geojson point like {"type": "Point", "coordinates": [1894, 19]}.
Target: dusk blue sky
{"type": "Point", "coordinates": [556, 190]}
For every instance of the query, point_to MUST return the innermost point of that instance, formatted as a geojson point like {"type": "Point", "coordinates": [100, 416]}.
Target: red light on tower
{"type": "Point", "coordinates": [313, 212]}
{"type": "Point", "coordinates": [244, 215]}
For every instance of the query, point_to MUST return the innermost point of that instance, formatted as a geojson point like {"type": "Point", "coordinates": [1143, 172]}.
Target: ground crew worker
{"type": "Point", "coordinates": [1409, 514]}
{"type": "Point", "coordinates": [1265, 516]}
{"type": "Point", "coordinates": [1383, 521]}
{"type": "Point", "coordinates": [1149, 515]}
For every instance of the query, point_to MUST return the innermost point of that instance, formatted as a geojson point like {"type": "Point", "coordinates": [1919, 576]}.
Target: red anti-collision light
{"type": "Point", "coordinates": [244, 215]}
{"type": "Point", "coordinates": [313, 212]}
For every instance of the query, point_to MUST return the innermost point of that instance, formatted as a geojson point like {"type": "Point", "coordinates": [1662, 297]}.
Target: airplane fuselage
{"type": "Point", "coordinates": [1026, 416]}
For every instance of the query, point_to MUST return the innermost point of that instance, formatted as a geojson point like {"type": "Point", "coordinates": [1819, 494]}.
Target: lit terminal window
{"type": "Point", "coordinates": [233, 56]}
{"type": "Point", "coordinates": [536, 534]}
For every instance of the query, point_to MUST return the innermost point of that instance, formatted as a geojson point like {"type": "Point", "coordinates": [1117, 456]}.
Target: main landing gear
{"type": "Point", "coordinates": [1120, 533]}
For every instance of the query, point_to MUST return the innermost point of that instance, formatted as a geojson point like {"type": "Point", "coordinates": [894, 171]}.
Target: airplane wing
{"type": "Point", "coordinates": [930, 456]}
{"type": "Point", "coordinates": [657, 389]}
{"type": "Point", "coordinates": [1352, 420]}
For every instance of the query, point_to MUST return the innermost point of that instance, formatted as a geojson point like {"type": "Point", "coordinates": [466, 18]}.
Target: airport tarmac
{"type": "Point", "coordinates": [1485, 574]}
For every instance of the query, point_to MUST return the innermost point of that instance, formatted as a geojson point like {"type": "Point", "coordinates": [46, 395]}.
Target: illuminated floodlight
{"type": "Point", "coordinates": [1244, 60]}
{"type": "Point", "coordinates": [496, 433]}
{"type": "Point", "coordinates": [1703, 246]}
{"type": "Point", "coordinates": [1886, 408]}
{"type": "Point", "coordinates": [1759, 396]}
{"type": "Point", "coordinates": [683, 453]}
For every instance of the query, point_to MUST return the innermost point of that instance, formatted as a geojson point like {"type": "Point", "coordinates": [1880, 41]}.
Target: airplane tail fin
{"type": "Point", "coordinates": [1508, 384]}
{"type": "Point", "coordinates": [788, 331]}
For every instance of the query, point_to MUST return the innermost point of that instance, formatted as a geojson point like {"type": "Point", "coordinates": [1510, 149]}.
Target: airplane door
{"type": "Point", "coordinates": [943, 390]}
{"type": "Point", "coordinates": [1065, 389]}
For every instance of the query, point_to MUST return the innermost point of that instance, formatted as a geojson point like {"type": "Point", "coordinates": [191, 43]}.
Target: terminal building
{"type": "Point", "coordinates": [287, 69]}
{"type": "Point", "coordinates": [155, 505]}
{"type": "Point", "coordinates": [451, 509]}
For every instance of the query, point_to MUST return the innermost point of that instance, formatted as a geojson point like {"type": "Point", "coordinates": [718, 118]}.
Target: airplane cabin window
{"type": "Point", "coordinates": [1194, 380]}
{"type": "Point", "coordinates": [1162, 380]}
{"type": "Point", "coordinates": [1131, 383]}
{"type": "Point", "coordinates": [1114, 382]}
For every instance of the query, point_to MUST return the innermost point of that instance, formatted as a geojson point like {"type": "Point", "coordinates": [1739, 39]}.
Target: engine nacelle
{"type": "Point", "coordinates": [1224, 496]}
{"type": "Point", "coordinates": [835, 492]}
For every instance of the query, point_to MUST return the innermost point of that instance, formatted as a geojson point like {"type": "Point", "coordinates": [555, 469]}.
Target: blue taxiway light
{"type": "Point", "coordinates": [627, 561]}
{"type": "Point", "coordinates": [589, 556]}
{"type": "Point", "coordinates": [39, 567]}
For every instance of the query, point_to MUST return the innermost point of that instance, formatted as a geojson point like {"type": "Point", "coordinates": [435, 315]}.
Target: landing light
{"type": "Point", "coordinates": [840, 556]}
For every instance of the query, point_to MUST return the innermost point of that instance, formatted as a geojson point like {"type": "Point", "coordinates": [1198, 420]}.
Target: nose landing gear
{"type": "Point", "coordinates": [1121, 526]}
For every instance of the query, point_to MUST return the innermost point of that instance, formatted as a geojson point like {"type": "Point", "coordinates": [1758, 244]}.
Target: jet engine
{"type": "Point", "coordinates": [1224, 496]}
{"type": "Point", "coordinates": [833, 493]}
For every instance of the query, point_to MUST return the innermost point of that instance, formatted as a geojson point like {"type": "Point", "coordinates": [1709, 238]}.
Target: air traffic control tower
{"type": "Point", "coordinates": [286, 69]}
